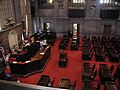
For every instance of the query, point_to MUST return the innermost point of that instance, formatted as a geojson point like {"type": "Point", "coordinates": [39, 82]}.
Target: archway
{"type": "Point", "coordinates": [13, 39]}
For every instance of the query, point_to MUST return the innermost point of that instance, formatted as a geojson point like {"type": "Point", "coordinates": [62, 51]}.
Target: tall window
{"type": "Point", "coordinates": [50, 1]}
{"type": "Point", "coordinates": [78, 1]}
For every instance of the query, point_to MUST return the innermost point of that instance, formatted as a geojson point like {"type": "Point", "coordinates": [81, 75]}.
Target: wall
{"type": "Point", "coordinates": [92, 24]}
{"type": "Point", "coordinates": [6, 11]}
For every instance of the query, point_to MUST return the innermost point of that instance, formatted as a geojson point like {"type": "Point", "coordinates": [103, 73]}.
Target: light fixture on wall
{"type": "Point", "coordinates": [0, 28]}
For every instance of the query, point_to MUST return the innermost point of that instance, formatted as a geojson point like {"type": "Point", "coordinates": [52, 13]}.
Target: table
{"type": "Point", "coordinates": [65, 83]}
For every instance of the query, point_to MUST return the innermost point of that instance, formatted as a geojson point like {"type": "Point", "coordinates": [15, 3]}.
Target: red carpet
{"type": "Point", "coordinates": [73, 71]}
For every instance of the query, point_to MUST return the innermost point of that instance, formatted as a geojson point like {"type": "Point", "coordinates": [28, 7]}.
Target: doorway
{"type": "Point", "coordinates": [76, 29]}
{"type": "Point", "coordinates": [46, 27]}
{"type": "Point", "coordinates": [107, 30]}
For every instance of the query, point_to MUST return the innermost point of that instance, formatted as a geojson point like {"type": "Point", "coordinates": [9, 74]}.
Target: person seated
{"type": "Point", "coordinates": [43, 44]}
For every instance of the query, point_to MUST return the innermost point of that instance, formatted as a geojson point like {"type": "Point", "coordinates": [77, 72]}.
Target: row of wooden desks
{"type": "Point", "coordinates": [45, 80]}
{"type": "Point", "coordinates": [104, 72]}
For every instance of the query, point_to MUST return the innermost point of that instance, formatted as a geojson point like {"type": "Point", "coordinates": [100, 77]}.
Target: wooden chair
{"type": "Point", "coordinates": [93, 76]}
{"type": "Point", "coordinates": [51, 82]}
{"type": "Point", "coordinates": [72, 86]}
{"type": "Point", "coordinates": [111, 68]}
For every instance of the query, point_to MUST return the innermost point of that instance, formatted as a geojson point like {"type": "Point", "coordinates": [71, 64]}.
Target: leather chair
{"type": "Point", "coordinates": [111, 68]}
{"type": "Point", "coordinates": [93, 76]}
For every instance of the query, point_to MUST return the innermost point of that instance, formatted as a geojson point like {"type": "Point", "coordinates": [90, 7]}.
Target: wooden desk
{"type": "Point", "coordinates": [110, 86]}
{"type": "Point", "coordinates": [44, 80]}
{"type": "Point", "coordinates": [63, 58]}
{"type": "Point", "coordinates": [86, 53]}
{"type": "Point", "coordinates": [65, 83]}
{"type": "Point", "coordinates": [35, 64]}
{"type": "Point", "coordinates": [104, 73]}
{"type": "Point", "coordinates": [87, 85]}
{"type": "Point", "coordinates": [98, 54]}
{"type": "Point", "coordinates": [86, 73]}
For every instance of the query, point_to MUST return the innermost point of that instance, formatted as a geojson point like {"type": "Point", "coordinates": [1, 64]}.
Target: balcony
{"type": "Point", "coordinates": [110, 6]}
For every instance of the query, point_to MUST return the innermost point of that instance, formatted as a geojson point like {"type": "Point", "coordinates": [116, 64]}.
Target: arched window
{"type": "Point", "coordinates": [78, 1]}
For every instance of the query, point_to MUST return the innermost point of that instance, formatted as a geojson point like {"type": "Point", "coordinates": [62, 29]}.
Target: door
{"type": "Point", "coordinates": [46, 27]}
{"type": "Point", "coordinates": [76, 29]}
{"type": "Point", "coordinates": [107, 30]}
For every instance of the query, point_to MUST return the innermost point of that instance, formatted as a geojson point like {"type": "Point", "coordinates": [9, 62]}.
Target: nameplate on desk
{"type": "Point", "coordinates": [27, 61]}
{"type": "Point", "coordinates": [14, 62]}
{"type": "Point", "coordinates": [42, 53]}
{"type": "Point", "coordinates": [47, 47]}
